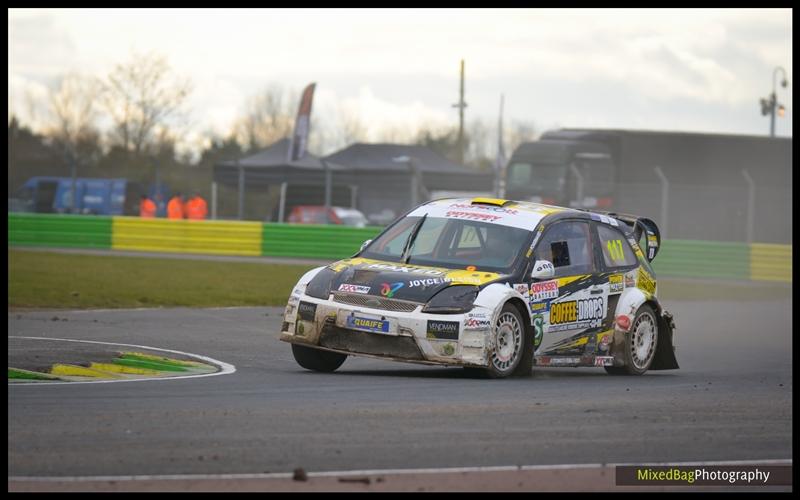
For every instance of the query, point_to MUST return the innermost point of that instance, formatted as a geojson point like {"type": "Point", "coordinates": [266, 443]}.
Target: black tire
{"type": "Point", "coordinates": [509, 359]}
{"type": "Point", "coordinates": [317, 359]}
{"type": "Point", "coordinates": [638, 361]}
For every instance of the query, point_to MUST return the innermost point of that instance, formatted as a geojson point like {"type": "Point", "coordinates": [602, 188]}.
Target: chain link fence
{"type": "Point", "coordinates": [747, 213]}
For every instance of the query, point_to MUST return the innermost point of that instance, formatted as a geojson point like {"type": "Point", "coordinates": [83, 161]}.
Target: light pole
{"type": "Point", "coordinates": [768, 105]}
{"type": "Point", "coordinates": [414, 180]}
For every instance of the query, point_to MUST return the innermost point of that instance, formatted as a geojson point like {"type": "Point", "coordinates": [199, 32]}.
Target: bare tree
{"type": "Point", "coordinates": [478, 136]}
{"type": "Point", "coordinates": [268, 117]}
{"type": "Point", "coordinates": [142, 95]}
{"type": "Point", "coordinates": [349, 127]}
{"type": "Point", "coordinates": [518, 133]}
{"type": "Point", "coordinates": [73, 113]}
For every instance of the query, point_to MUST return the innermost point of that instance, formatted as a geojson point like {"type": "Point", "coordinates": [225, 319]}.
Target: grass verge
{"type": "Point", "coordinates": [67, 281]}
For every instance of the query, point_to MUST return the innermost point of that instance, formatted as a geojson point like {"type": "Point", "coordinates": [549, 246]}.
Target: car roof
{"type": "Point", "coordinates": [346, 211]}
{"type": "Point", "coordinates": [521, 214]}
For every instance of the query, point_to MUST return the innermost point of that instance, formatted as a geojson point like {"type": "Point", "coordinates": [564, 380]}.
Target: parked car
{"type": "Point", "coordinates": [319, 214]}
{"type": "Point", "coordinates": [493, 285]}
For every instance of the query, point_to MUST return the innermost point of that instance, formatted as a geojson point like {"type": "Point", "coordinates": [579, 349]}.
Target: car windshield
{"type": "Point", "coordinates": [451, 243]}
{"type": "Point", "coordinates": [536, 178]}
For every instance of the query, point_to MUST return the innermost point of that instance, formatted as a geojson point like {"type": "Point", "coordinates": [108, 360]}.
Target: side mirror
{"type": "Point", "coordinates": [364, 245]}
{"type": "Point", "coordinates": [542, 270]}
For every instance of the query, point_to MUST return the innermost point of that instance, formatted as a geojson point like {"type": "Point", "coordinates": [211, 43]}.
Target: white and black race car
{"type": "Point", "coordinates": [493, 285]}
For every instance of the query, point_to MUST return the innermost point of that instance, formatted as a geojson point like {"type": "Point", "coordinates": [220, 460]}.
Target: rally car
{"type": "Point", "coordinates": [495, 286]}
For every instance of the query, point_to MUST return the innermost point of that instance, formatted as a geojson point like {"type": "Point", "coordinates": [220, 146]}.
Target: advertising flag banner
{"type": "Point", "coordinates": [297, 147]}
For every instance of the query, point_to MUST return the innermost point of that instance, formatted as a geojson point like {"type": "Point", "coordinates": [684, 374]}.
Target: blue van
{"type": "Point", "coordinates": [93, 196]}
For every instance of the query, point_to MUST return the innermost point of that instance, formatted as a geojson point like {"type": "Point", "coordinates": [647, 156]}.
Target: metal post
{"type": "Point", "coordinates": [579, 179]}
{"type": "Point", "coordinates": [74, 169]}
{"type": "Point", "coordinates": [213, 200]}
{"type": "Point", "coordinates": [353, 195]}
{"type": "Point", "coordinates": [158, 177]}
{"type": "Point", "coordinates": [773, 102]}
{"type": "Point", "coordinates": [751, 204]}
{"type": "Point", "coordinates": [282, 204]}
{"type": "Point", "coordinates": [500, 160]}
{"type": "Point", "coordinates": [241, 190]}
{"type": "Point", "coordinates": [774, 99]}
{"type": "Point", "coordinates": [414, 183]}
{"type": "Point", "coordinates": [461, 105]}
{"type": "Point", "coordinates": [328, 182]}
{"type": "Point", "coordinates": [664, 200]}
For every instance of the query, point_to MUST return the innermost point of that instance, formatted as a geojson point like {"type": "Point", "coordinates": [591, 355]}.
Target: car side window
{"type": "Point", "coordinates": [568, 246]}
{"type": "Point", "coordinates": [616, 250]}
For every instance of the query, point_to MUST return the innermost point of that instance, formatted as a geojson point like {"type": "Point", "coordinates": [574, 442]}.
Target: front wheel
{"type": "Point", "coordinates": [640, 344]}
{"type": "Point", "coordinates": [317, 359]}
{"type": "Point", "coordinates": [513, 346]}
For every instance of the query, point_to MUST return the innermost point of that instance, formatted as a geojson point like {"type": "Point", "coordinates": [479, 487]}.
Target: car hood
{"type": "Point", "coordinates": [395, 280]}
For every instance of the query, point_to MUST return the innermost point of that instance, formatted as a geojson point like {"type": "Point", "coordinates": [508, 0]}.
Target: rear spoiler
{"type": "Point", "coordinates": [641, 226]}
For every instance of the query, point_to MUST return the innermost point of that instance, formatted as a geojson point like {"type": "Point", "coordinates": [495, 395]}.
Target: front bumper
{"type": "Point", "coordinates": [409, 336]}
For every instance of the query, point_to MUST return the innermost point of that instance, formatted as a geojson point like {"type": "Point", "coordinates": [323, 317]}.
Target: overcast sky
{"type": "Point", "coordinates": [693, 70]}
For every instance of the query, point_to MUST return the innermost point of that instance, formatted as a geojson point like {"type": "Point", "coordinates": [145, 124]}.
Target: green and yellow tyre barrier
{"type": "Point", "coordinates": [676, 258]}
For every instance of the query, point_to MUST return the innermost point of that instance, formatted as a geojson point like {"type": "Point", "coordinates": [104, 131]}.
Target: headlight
{"type": "Point", "coordinates": [320, 285]}
{"type": "Point", "coordinates": [452, 300]}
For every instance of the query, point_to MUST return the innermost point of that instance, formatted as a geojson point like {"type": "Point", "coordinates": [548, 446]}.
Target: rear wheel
{"type": "Point", "coordinates": [640, 344]}
{"type": "Point", "coordinates": [317, 359]}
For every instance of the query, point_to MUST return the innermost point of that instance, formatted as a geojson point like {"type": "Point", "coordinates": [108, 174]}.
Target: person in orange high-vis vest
{"type": "Point", "coordinates": [147, 207]}
{"type": "Point", "coordinates": [175, 207]}
{"type": "Point", "coordinates": [196, 207]}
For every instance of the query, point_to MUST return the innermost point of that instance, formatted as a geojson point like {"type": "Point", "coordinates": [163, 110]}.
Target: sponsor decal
{"type": "Point", "coordinates": [603, 341]}
{"type": "Point", "coordinates": [477, 323]}
{"type": "Point", "coordinates": [368, 324]}
{"type": "Point", "coordinates": [306, 311]}
{"type": "Point", "coordinates": [544, 290]}
{"type": "Point", "coordinates": [615, 283]}
{"type": "Point", "coordinates": [555, 361]}
{"type": "Point", "coordinates": [443, 329]}
{"type": "Point", "coordinates": [630, 282]}
{"type": "Point", "coordinates": [457, 214]}
{"type": "Point", "coordinates": [406, 269]}
{"type": "Point", "coordinates": [645, 282]}
{"type": "Point", "coordinates": [448, 349]}
{"type": "Point", "coordinates": [345, 287]}
{"type": "Point", "coordinates": [604, 361]}
{"type": "Point", "coordinates": [540, 307]}
{"type": "Point", "coordinates": [576, 314]}
{"type": "Point", "coordinates": [624, 322]}
{"type": "Point", "coordinates": [521, 288]}
{"type": "Point", "coordinates": [489, 208]}
{"type": "Point", "coordinates": [652, 241]}
{"type": "Point", "coordinates": [538, 329]}
{"type": "Point", "coordinates": [533, 243]}
{"type": "Point", "coordinates": [543, 265]}
{"type": "Point", "coordinates": [388, 290]}
{"type": "Point", "coordinates": [300, 328]}
{"type": "Point", "coordinates": [604, 219]}
{"type": "Point", "coordinates": [428, 282]}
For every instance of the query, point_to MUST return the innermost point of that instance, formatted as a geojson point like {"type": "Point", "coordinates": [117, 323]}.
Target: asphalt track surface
{"type": "Point", "coordinates": [731, 400]}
